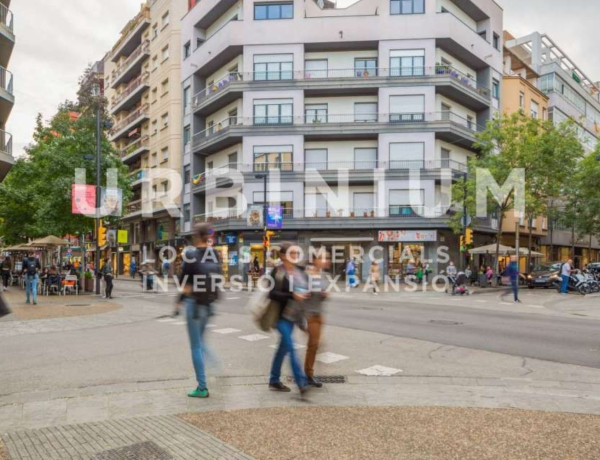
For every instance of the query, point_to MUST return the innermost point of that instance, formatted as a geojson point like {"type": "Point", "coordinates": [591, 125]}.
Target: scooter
{"type": "Point", "coordinates": [578, 283]}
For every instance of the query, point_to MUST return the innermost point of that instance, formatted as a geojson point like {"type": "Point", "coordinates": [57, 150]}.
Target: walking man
{"type": "Point", "coordinates": [565, 273]}
{"type": "Point", "coordinates": [31, 268]}
{"type": "Point", "coordinates": [512, 271]}
{"type": "Point", "coordinates": [199, 271]}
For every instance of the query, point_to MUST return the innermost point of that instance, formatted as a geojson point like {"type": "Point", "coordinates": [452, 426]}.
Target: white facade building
{"type": "Point", "coordinates": [383, 90]}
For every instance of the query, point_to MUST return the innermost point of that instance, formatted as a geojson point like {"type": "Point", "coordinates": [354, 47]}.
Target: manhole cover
{"type": "Point", "coordinates": [325, 379]}
{"type": "Point", "coordinates": [78, 305]}
{"type": "Point", "coordinates": [444, 322]}
{"type": "Point", "coordinates": [146, 450]}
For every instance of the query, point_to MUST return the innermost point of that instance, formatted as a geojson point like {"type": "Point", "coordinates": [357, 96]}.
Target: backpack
{"type": "Point", "coordinates": [31, 266]}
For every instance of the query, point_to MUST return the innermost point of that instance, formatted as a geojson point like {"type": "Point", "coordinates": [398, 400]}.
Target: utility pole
{"type": "Point", "coordinates": [98, 188]}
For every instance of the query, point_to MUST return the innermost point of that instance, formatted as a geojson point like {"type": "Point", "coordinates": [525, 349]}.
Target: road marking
{"type": "Point", "coordinates": [179, 323]}
{"type": "Point", "coordinates": [296, 346]}
{"type": "Point", "coordinates": [227, 330]}
{"type": "Point", "coordinates": [253, 337]}
{"type": "Point", "coordinates": [209, 326]}
{"type": "Point", "coordinates": [378, 370]}
{"type": "Point", "coordinates": [233, 298]}
{"type": "Point", "coordinates": [329, 358]}
{"type": "Point", "coordinates": [166, 320]}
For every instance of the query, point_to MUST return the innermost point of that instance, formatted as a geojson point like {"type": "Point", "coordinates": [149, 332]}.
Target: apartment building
{"type": "Point", "coordinates": [520, 93]}
{"type": "Point", "coordinates": [142, 80]}
{"type": "Point", "coordinates": [381, 92]}
{"type": "Point", "coordinates": [571, 95]}
{"type": "Point", "coordinates": [7, 98]}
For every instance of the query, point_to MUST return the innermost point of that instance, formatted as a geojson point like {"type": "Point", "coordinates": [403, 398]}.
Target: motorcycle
{"type": "Point", "coordinates": [577, 283]}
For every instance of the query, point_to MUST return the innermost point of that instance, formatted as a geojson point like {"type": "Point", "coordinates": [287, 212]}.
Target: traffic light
{"type": "Point", "coordinates": [469, 236]}
{"type": "Point", "coordinates": [267, 239]}
{"type": "Point", "coordinates": [462, 243]}
{"type": "Point", "coordinates": [101, 234]}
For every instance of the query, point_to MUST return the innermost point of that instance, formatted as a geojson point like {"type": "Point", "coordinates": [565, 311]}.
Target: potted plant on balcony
{"type": "Point", "coordinates": [365, 213]}
{"type": "Point", "coordinates": [351, 213]}
{"type": "Point", "coordinates": [372, 213]}
{"type": "Point", "coordinates": [439, 69]}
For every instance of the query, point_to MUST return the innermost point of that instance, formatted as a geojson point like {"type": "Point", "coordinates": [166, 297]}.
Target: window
{"type": "Point", "coordinates": [522, 100]}
{"type": "Point", "coordinates": [544, 113]}
{"type": "Point", "coordinates": [363, 202]}
{"type": "Point", "coordinates": [273, 111]}
{"type": "Point", "coordinates": [232, 159]}
{"type": "Point", "coordinates": [286, 200]}
{"type": "Point", "coordinates": [155, 63]}
{"type": "Point", "coordinates": [315, 205]}
{"type": "Point", "coordinates": [496, 41]}
{"type": "Point", "coordinates": [154, 127]}
{"type": "Point", "coordinates": [164, 154]}
{"type": "Point", "coordinates": [365, 67]}
{"type": "Point", "coordinates": [315, 113]}
{"type": "Point", "coordinates": [232, 114]}
{"type": "Point", "coordinates": [483, 34]}
{"type": "Point", "coordinates": [407, 6]}
{"type": "Point", "coordinates": [187, 170]}
{"type": "Point", "coordinates": [154, 95]}
{"type": "Point", "coordinates": [270, 157]}
{"type": "Point", "coordinates": [164, 53]}
{"type": "Point", "coordinates": [445, 157]}
{"type": "Point", "coordinates": [187, 215]}
{"type": "Point", "coordinates": [446, 111]}
{"type": "Point", "coordinates": [187, 50]}
{"type": "Point", "coordinates": [187, 98]}
{"type": "Point", "coordinates": [165, 20]}
{"type": "Point", "coordinates": [154, 31]}
{"type": "Point", "coordinates": [365, 111]}
{"type": "Point", "coordinates": [365, 158]}
{"type": "Point", "coordinates": [407, 108]}
{"type": "Point", "coordinates": [273, 11]}
{"type": "Point", "coordinates": [187, 135]}
{"type": "Point", "coordinates": [535, 109]}
{"type": "Point", "coordinates": [403, 201]}
{"type": "Point", "coordinates": [407, 155]}
{"type": "Point", "coordinates": [274, 67]}
{"type": "Point", "coordinates": [315, 68]}
{"type": "Point", "coordinates": [164, 86]}
{"type": "Point", "coordinates": [164, 120]}
{"type": "Point", "coordinates": [165, 187]}
{"type": "Point", "coordinates": [495, 89]}
{"type": "Point", "coordinates": [154, 160]}
{"type": "Point", "coordinates": [405, 63]}
{"type": "Point", "coordinates": [154, 191]}
{"type": "Point", "coordinates": [316, 159]}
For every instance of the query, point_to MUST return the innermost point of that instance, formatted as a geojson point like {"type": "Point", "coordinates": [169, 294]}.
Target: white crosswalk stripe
{"type": "Point", "coordinates": [329, 358]}
{"type": "Point", "coordinates": [379, 370]}
{"type": "Point", "coordinates": [227, 330]}
{"type": "Point", "coordinates": [253, 337]}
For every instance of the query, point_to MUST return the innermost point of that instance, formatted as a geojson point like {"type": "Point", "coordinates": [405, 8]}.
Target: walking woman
{"type": "Point", "coordinates": [313, 306]}
{"type": "Point", "coordinates": [288, 291]}
{"type": "Point", "coordinates": [107, 272]}
{"type": "Point", "coordinates": [5, 268]}
{"type": "Point", "coordinates": [375, 277]}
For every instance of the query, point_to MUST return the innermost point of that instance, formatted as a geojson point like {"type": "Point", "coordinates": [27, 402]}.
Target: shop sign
{"type": "Point", "coordinates": [122, 237]}
{"type": "Point", "coordinates": [407, 236]}
{"type": "Point", "coordinates": [230, 238]}
{"type": "Point", "coordinates": [275, 217]}
{"type": "Point", "coordinates": [255, 216]}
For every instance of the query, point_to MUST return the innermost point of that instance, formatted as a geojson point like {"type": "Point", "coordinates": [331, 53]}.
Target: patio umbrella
{"type": "Point", "coordinates": [491, 249]}
{"type": "Point", "coordinates": [49, 240]}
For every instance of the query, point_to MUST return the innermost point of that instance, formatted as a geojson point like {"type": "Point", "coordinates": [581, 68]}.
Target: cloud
{"type": "Point", "coordinates": [55, 41]}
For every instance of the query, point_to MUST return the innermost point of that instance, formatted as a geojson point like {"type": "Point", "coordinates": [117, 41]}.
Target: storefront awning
{"type": "Point", "coordinates": [343, 239]}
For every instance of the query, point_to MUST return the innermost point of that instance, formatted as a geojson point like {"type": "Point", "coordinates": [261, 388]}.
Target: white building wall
{"type": "Point", "coordinates": [340, 152]}
{"type": "Point", "coordinates": [297, 143]}
{"type": "Point", "coordinates": [223, 72]}
{"type": "Point", "coordinates": [456, 108]}
{"type": "Point", "coordinates": [222, 115]}
{"type": "Point", "coordinates": [386, 46]}
{"type": "Point", "coordinates": [233, 12]}
{"type": "Point", "coordinates": [343, 60]}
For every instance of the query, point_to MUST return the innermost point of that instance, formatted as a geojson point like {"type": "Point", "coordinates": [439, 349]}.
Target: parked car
{"type": "Point", "coordinates": [545, 275]}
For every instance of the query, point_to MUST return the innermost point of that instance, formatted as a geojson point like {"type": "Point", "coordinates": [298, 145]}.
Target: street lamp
{"type": "Point", "coordinates": [97, 92]}
{"type": "Point", "coordinates": [264, 176]}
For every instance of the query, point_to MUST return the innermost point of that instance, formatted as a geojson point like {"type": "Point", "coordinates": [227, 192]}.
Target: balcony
{"type": "Point", "coordinates": [129, 122]}
{"type": "Point", "coordinates": [318, 219]}
{"type": "Point", "coordinates": [7, 34]}
{"type": "Point", "coordinates": [134, 149]}
{"type": "Point", "coordinates": [131, 34]}
{"type": "Point", "coordinates": [130, 66]}
{"type": "Point", "coordinates": [448, 81]}
{"type": "Point", "coordinates": [131, 94]}
{"type": "Point", "coordinates": [447, 126]}
{"type": "Point", "coordinates": [7, 98]}
{"type": "Point", "coordinates": [6, 158]}
{"type": "Point", "coordinates": [138, 176]}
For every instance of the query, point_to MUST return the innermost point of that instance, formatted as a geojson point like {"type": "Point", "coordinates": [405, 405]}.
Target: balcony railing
{"type": "Point", "coordinates": [326, 119]}
{"type": "Point", "coordinates": [6, 17]}
{"type": "Point", "coordinates": [130, 88]}
{"type": "Point", "coordinates": [135, 145]}
{"type": "Point", "coordinates": [353, 74]}
{"type": "Point", "coordinates": [400, 211]}
{"type": "Point", "coordinates": [6, 142]}
{"type": "Point", "coordinates": [143, 110]}
{"type": "Point", "coordinates": [143, 48]}
{"type": "Point", "coordinates": [6, 80]}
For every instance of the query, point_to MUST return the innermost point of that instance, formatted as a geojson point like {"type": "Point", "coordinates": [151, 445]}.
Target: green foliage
{"type": "Point", "coordinates": [35, 197]}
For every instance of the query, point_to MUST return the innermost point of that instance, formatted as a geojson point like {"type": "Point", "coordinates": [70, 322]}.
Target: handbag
{"type": "Point", "coordinates": [265, 311]}
{"type": "Point", "coordinates": [4, 310]}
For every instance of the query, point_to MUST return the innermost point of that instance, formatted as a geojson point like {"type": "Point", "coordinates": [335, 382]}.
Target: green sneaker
{"type": "Point", "coordinates": [198, 393]}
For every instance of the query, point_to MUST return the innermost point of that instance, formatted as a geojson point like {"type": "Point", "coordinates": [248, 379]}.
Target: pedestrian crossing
{"type": "Point", "coordinates": [327, 358]}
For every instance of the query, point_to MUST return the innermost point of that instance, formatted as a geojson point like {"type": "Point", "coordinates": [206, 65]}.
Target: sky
{"type": "Point", "coordinates": [57, 39]}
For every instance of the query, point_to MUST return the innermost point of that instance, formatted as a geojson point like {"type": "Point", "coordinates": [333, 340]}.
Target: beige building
{"type": "Point", "coordinates": [142, 80]}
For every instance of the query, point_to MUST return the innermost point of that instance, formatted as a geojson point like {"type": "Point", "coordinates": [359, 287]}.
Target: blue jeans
{"type": "Point", "coordinates": [196, 327]}
{"type": "Point", "coordinates": [31, 282]}
{"type": "Point", "coordinates": [564, 288]}
{"type": "Point", "coordinates": [286, 345]}
{"type": "Point", "coordinates": [514, 284]}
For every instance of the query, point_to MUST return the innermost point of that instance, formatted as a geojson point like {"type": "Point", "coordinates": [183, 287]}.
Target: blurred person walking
{"type": "Point", "coordinates": [375, 277]}
{"type": "Point", "coordinates": [107, 273]}
{"type": "Point", "coordinates": [31, 269]}
{"type": "Point", "coordinates": [5, 268]}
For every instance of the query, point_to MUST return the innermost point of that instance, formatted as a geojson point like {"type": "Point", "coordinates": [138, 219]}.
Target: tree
{"type": "Point", "coordinates": [546, 152]}
{"type": "Point", "coordinates": [35, 197]}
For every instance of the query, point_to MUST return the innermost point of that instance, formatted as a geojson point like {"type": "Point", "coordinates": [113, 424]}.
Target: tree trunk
{"type": "Point", "coordinates": [573, 243]}
{"type": "Point", "coordinates": [498, 238]}
{"type": "Point", "coordinates": [530, 243]}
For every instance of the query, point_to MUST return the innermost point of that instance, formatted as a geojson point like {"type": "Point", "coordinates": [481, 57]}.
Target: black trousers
{"type": "Point", "coordinates": [5, 278]}
{"type": "Point", "coordinates": [108, 279]}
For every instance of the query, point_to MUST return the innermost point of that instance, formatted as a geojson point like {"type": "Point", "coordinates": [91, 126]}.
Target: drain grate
{"type": "Point", "coordinates": [445, 322]}
{"type": "Point", "coordinates": [325, 379]}
{"type": "Point", "coordinates": [146, 450]}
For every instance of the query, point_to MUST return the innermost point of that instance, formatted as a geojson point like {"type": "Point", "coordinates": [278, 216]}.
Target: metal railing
{"type": "Point", "coordinates": [354, 73]}
{"type": "Point", "coordinates": [135, 145]}
{"type": "Point", "coordinates": [6, 80]}
{"type": "Point", "coordinates": [6, 17]}
{"type": "Point", "coordinates": [6, 145]}
{"type": "Point", "coordinates": [142, 48]}
{"type": "Point", "coordinates": [326, 119]}
{"type": "Point", "coordinates": [142, 110]}
{"type": "Point", "coordinates": [130, 88]}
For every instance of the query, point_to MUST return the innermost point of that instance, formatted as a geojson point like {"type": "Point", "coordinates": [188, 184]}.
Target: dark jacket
{"type": "Point", "coordinates": [31, 266]}
{"type": "Point", "coordinates": [281, 291]}
{"type": "Point", "coordinates": [205, 268]}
